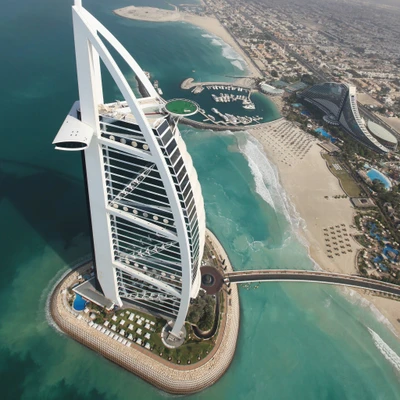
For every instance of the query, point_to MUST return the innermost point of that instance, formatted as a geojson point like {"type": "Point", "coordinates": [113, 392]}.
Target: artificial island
{"type": "Point", "coordinates": [158, 296]}
{"type": "Point", "coordinates": [153, 297]}
{"type": "Point", "coordinates": [335, 142]}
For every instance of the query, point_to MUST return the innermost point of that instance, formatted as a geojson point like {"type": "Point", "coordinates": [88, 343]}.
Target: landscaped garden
{"type": "Point", "coordinates": [380, 257]}
{"type": "Point", "coordinates": [347, 182]}
{"type": "Point", "coordinates": [144, 329]}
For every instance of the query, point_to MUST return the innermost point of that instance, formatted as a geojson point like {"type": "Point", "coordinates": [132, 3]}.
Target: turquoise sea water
{"type": "Point", "coordinates": [297, 341]}
{"type": "Point", "coordinates": [264, 106]}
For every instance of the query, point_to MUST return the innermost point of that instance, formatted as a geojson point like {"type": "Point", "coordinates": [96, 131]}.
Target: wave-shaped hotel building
{"type": "Point", "coordinates": [339, 103]}
{"type": "Point", "coordinates": [146, 206]}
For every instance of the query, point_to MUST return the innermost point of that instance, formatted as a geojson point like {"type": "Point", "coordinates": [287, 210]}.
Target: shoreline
{"type": "Point", "coordinates": [315, 217]}
{"type": "Point", "coordinates": [214, 27]}
{"type": "Point", "coordinates": [208, 24]}
{"type": "Point", "coordinates": [171, 378]}
{"type": "Point", "coordinates": [311, 188]}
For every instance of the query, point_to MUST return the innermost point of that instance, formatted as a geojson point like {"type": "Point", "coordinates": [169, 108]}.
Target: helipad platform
{"type": "Point", "coordinates": [181, 108]}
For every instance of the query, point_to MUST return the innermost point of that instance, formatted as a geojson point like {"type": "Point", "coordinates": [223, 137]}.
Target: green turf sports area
{"type": "Point", "coordinates": [181, 107]}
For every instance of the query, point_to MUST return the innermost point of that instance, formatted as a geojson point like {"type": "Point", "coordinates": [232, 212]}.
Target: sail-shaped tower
{"type": "Point", "coordinates": [146, 207]}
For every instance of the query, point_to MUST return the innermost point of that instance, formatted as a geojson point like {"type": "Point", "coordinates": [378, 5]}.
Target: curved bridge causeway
{"type": "Point", "coordinates": [276, 275]}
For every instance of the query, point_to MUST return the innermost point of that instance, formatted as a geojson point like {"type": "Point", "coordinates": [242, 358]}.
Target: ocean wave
{"type": "Point", "coordinates": [266, 178]}
{"type": "Point", "coordinates": [216, 42]}
{"type": "Point", "coordinates": [268, 186]}
{"type": "Point", "coordinates": [260, 174]}
{"type": "Point", "coordinates": [385, 349]}
{"type": "Point", "coordinates": [355, 298]}
{"type": "Point", "coordinates": [327, 302]}
{"type": "Point", "coordinates": [228, 52]}
{"type": "Point", "coordinates": [267, 182]}
{"type": "Point", "coordinates": [237, 64]}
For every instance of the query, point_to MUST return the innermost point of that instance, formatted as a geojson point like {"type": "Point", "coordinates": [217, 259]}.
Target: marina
{"type": "Point", "coordinates": [238, 105]}
{"type": "Point", "coordinates": [235, 109]}
{"type": "Point", "coordinates": [231, 119]}
{"type": "Point", "coordinates": [331, 349]}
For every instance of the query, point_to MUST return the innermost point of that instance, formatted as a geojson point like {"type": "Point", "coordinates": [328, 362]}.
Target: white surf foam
{"type": "Point", "coordinates": [385, 349]}
{"type": "Point", "coordinates": [227, 51]}
{"type": "Point", "coordinates": [216, 42]}
{"type": "Point", "coordinates": [230, 53]}
{"type": "Point", "coordinates": [327, 302]}
{"type": "Point", "coordinates": [267, 182]}
{"type": "Point", "coordinates": [266, 177]}
{"type": "Point", "coordinates": [355, 298]}
{"type": "Point", "coordinates": [237, 64]}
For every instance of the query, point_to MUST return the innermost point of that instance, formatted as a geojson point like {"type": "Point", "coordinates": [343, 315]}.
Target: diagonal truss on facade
{"type": "Point", "coordinates": [146, 207]}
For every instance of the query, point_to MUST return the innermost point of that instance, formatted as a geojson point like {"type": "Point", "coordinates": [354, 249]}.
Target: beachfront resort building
{"type": "Point", "coordinates": [271, 90]}
{"type": "Point", "coordinates": [145, 201]}
{"type": "Point", "coordinates": [338, 101]}
{"type": "Point", "coordinates": [382, 135]}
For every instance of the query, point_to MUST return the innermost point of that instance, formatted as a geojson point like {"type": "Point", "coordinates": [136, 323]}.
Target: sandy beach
{"type": "Point", "coordinates": [209, 24]}
{"type": "Point", "coordinates": [311, 187]}
{"type": "Point", "coordinates": [303, 173]}
{"type": "Point", "coordinates": [278, 101]}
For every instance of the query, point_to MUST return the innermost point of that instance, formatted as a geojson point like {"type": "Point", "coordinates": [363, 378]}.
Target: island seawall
{"type": "Point", "coordinates": [171, 378]}
{"type": "Point", "coordinates": [297, 156]}
{"type": "Point", "coordinates": [189, 83]}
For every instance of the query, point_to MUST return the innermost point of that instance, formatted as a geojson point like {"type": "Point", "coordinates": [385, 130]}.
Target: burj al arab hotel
{"type": "Point", "coordinates": [146, 207]}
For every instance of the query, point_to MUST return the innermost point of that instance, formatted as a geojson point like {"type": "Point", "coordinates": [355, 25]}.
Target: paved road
{"type": "Point", "coordinates": [314, 277]}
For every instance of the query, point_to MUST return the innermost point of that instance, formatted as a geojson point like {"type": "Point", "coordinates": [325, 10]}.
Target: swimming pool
{"type": "Point", "coordinates": [374, 174]}
{"type": "Point", "coordinates": [325, 134]}
{"type": "Point", "coordinates": [79, 303]}
{"type": "Point", "coordinates": [391, 253]}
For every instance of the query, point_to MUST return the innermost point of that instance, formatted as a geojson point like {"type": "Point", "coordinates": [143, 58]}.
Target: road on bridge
{"type": "Point", "coordinates": [312, 277]}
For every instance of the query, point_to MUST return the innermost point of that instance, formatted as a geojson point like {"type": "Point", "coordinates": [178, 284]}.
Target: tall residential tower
{"type": "Point", "coordinates": [146, 207]}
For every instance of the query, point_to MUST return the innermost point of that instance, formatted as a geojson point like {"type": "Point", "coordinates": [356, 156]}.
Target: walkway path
{"type": "Point", "coordinates": [190, 83]}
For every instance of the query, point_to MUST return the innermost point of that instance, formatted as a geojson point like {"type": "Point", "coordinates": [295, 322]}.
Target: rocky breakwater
{"type": "Point", "coordinates": [171, 378]}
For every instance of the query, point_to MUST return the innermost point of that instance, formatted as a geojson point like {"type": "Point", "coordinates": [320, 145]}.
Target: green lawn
{"type": "Point", "coordinates": [191, 350]}
{"type": "Point", "coordinates": [349, 185]}
{"type": "Point", "coordinates": [181, 107]}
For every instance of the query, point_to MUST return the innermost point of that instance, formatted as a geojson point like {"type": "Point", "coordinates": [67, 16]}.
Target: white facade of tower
{"type": "Point", "coordinates": [146, 205]}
